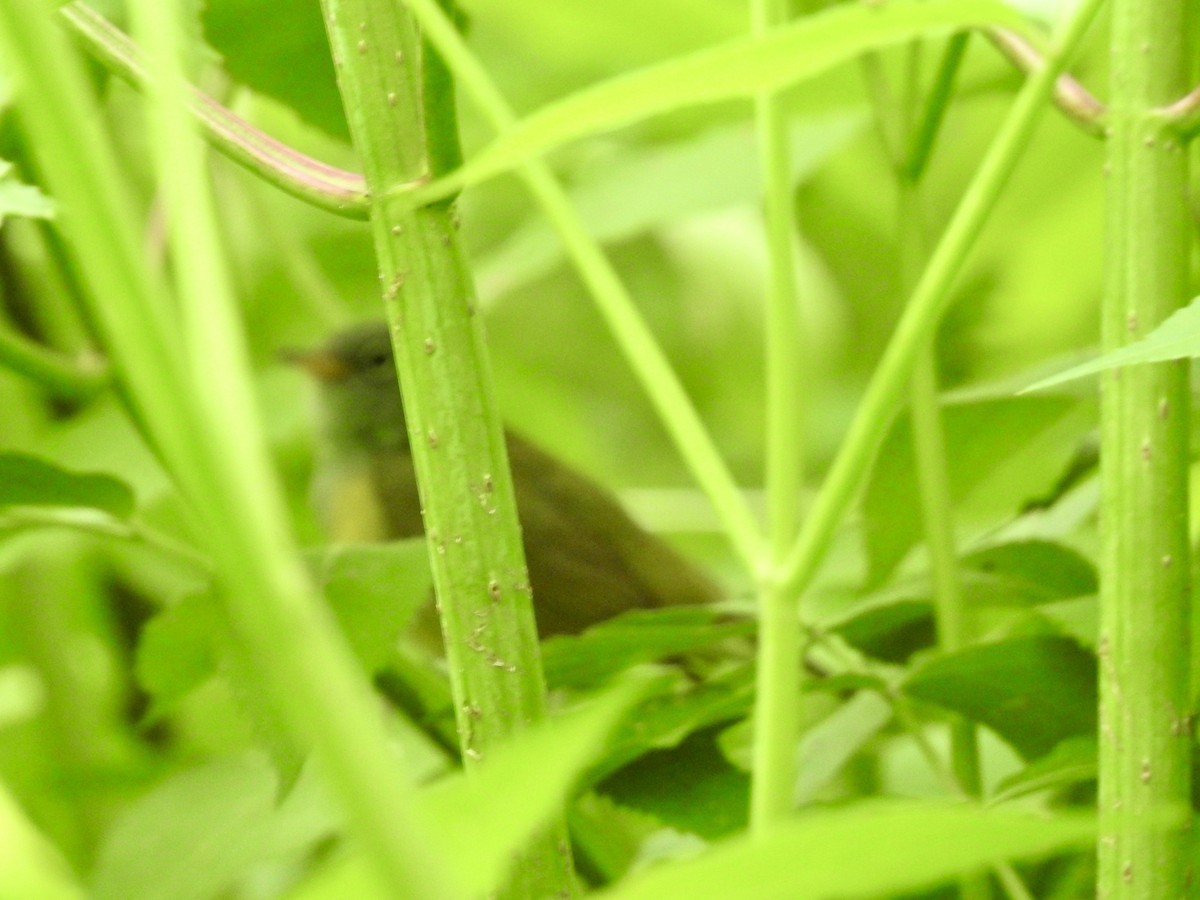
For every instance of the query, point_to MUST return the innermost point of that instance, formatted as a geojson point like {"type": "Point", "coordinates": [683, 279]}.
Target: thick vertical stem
{"type": "Point", "coordinates": [453, 421]}
{"type": "Point", "coordinates": [1145, 724]}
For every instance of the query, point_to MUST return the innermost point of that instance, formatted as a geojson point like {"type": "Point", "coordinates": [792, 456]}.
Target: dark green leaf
{"type": "Point", "coordinates": [1036, 570]}
{"type": "Point", "coordinates": [1032, 691]}
{"type": "Point", "coordinates": [691, 787]}
{"type": "Point", "coordinates": [30, 481]}
{"type": "Point", "coordinates": [1001, 453]}
{"type": "Point", "coordinates": [678, 708]}
{"type": "Point", "coordinates": [638, 636]}
{"type": "Point", "coordinates": [891, 631]}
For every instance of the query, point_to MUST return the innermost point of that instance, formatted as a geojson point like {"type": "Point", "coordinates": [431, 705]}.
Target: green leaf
{"type": "Point", "coordinates": [655, 186]}
{"type": "Point", "coordinates": [691, 787]}
{"type": "Point", "coordinates": [638, 636]}
{"type": "Point", "coordinates": [177, 652]}
{"type": "Point", "coordinates": [192, 836]}
{"type": "Point", "coordinates": [484, 818]}
{"type": "Point", "coordinates": [20, 199]}
{"type": "Point", "coordinates": [1072, 761]}
{"type": "Point", "coordinates": [678, 709]}
{"type": "Point", "coordinates": [871, 848]}
{"type": "Point", "coordinates": [375, 590]}
{"type": "Point", "coordinates": [294, 66]}
{"type": "Point", "coordinates": [1001, 452]}
{"type": "Point", "coordinates": [735, 69]}
{"type": "Point", "coordinates": [1035, 571]}
{"type": "Point", "coordinates": [1176, 338]}
{"type": "Point", "coordinates": [891, 631]}
{"type": "Point", "coordinates": [1032, 691]}
{"type": "Point", "coordinates": [30, 864]}
{"type": "Point", "coordinates": [825, 748]}
{"type": "Point", "coordinates": [31, 481]}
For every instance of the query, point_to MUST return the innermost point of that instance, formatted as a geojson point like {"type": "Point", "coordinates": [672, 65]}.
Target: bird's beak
{"type": "Point", "coordinates": [320, 363]}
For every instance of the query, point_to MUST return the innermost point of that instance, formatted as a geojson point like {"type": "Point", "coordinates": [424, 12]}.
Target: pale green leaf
{"type": "Point", "coordinates": [30, 865]}
{"type": "Point", "coordinates": [1176, 338]}
{"type": "Point", "coordinates": [195, 834]}
{"type": "Point", "coordinates": [20, 199]}
{"type": "Point", "coordinates": [871, 848]}
{"type": "Point", "coordinates": [735, 69]}
{"type": "Point", "coordinates": [483, 819]}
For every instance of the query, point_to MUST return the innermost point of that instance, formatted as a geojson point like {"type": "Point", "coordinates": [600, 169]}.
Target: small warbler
{"type": "Point", "coordinates": [588, 560]}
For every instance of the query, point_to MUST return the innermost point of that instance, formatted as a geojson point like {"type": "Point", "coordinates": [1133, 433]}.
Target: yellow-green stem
{"type": "Point", "coordinates": [1145, 706]}
{"type": "Point", "coordinates": [776, 718]}
{"type": "Point", "coordinates": [455, 432]}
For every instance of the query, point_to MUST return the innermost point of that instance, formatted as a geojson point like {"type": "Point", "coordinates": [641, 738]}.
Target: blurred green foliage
{"type": "Point", "coordinates": [138, 716]}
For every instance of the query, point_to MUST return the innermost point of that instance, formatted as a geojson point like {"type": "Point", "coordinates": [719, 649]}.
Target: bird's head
{"type": "Point", "coordinates": [359, 398]}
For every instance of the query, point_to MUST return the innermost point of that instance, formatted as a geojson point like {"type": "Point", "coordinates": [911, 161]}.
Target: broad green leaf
{"type": "Point", "coordinates": [30, 864]}
{"type": "Point", "coordinates": [193, 836]}
{"type": "Point", "coordinates": [609, 835]}
{"type": "Point", "coordinates": [294, 66]}
{"type": "Point", "coordinates": [1070, 762]}
{"type": "Point", "coordinates": [1032, 691]}
{"type": "Point", "coordinates": [690, 787]}
{"type": "Point", "coordinates": [1078, 619]}
{"type": "Point", "coordinates": [897, 622]}
{"type": "Point", "coordinates": [1176, 338]}
{"type": "Point", "coordinates": [735, 69]}
{"type": "Point", "coordinates": [869, 849]}
{"type": "Point", "coordinates": [676, 710]}
{"type": "Point", "coordinates": [177, 652]}
{"type": "Point", "coordinates": [1036, 570]}
{"type": "Point", "coordinates": [638, 636]}
{"type": "Point", "coordinates": [1001, 453]}
{"type": "Point", "coordinates": [374, 590]}
{"type": "Point", "coordinates": [20, 199]}
{"type": "Point", "coordinates": [30, 481]}
{"type": "Point", "coordinates": [484, 819]}
{"type": "Point", "coordinates": [891, 631]}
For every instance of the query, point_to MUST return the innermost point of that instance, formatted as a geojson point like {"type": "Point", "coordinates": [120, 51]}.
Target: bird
{"type": "Point", "coordinates": [588, 560]}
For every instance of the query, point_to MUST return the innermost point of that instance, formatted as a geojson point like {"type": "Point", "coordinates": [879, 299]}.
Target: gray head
{"type": "Point", "coordinates": [359, 399]}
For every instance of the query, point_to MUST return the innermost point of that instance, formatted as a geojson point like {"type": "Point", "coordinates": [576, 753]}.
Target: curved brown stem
{"type": "Point", "coordinates": [1069, 95]}
{"type": "Point", "coordinates": [308, 179]}
{"type": "Point", "coordinates": [1184, 114]}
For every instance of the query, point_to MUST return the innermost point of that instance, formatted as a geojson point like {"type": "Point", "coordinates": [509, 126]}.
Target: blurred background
{"type": "Point", "coordinates": [675, 202]}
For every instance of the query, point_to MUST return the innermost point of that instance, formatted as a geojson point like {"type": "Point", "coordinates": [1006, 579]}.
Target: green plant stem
{"type": "Point", "coordinates": [61, 377]}
{"type": "Point", "coordinates": [921, 137]}
{"type": "Point", "coordinates": [933, 482]}
{"type": "Point", "coordinates": [916, 325]}
{"type": "Point", "coordinates": [779, 668]}
{"type": "Point", "coordinates": [308, 179]}
{"type": "Point", "coordinates": [306, 671]}
{"type": "Point", "coordinates": [629, 329]}
{"type": "Point", "coordinates": [1145, 705]}
{"type": "Point", "coordinates": [453, 421]}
